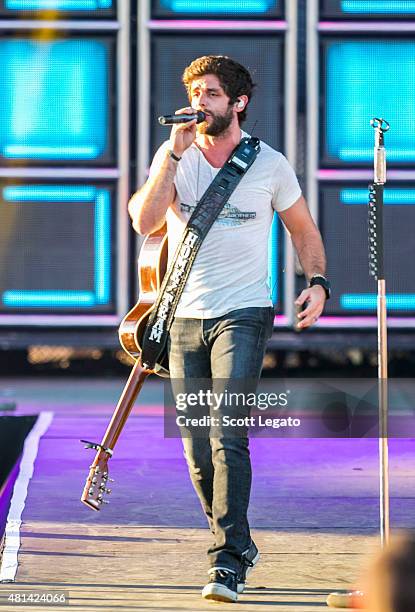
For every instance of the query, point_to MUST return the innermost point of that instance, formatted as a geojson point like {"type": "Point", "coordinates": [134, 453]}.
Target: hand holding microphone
{"type": "Point", "coordinates": [184, 128]}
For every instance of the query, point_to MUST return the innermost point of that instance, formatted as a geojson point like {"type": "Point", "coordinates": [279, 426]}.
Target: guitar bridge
{"type": "Point", "coordinates": [96, 446]}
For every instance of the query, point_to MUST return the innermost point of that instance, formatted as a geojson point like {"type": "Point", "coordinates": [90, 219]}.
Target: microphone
{"type": "Point", "coordinates": [182, 118]}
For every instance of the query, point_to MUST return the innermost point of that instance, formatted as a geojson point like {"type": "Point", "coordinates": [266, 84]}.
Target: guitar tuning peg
{"type": "Point", "coordinates": [104, 501]}
{"type": "Point", "coordinates": [111, 480]}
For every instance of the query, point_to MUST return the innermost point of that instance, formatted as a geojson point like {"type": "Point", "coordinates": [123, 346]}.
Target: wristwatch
{"type": "Point", "coordinates": [319, 279]}
{"type": "Point", "coordinates": [173, 155]}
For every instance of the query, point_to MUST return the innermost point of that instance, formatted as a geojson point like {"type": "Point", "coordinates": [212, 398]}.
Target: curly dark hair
{"type": "Point", "coordinates": [234, 78]}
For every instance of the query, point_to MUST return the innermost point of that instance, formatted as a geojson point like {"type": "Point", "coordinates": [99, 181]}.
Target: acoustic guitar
{"type": "Point", "coordinates": [152, 266]}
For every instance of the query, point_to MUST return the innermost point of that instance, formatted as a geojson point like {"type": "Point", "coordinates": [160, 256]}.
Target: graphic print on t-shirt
{"type": "Point", "coordinates": [230, 215]}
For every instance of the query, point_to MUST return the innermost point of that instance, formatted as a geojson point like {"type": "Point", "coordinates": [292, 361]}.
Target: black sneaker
{"type": "Point", "coordinates": [222, 585]}
{"type": "Point", "coordinates": [249, 559]}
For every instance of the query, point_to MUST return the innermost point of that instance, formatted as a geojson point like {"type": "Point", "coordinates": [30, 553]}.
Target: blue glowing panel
{"type": "Point", "coordinates": [343, 221]}
{"type": "Point", "coordinates": [82, 7]}
{"type": "Point", "coordinates": [367, 9]}
{"type": "Point", "coordinates": [362, 80]}
{"type": "Point", "coordinates": [402, 197]}
{"type": "Point", "coordinates": [362, 301]}
{"type": "Point", "coordinates": [54, 100]}
{"type": "Point", "coordinates": [58, 5]}
{"type": "Point", "coordinates": [378, 6]}
{"type": "Point", "coordinates": [217, 8]}
{"type": "Point", "coordinates": [274, 267]}
{"type": "Point", "coordinates": [56, 242]}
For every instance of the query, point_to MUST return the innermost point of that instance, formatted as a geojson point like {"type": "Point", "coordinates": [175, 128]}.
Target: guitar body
{"type": "Point", "coordinates": [152, 266]}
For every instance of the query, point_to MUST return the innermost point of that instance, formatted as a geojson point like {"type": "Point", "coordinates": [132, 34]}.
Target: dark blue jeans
{"type": "Point", "coordinates": [227, 348]}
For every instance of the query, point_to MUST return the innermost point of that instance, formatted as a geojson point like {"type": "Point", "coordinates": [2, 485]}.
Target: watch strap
{"type": "Point", "coordinates": [173, 155]}
{"type": "Point", "coordinates": [319, 279]}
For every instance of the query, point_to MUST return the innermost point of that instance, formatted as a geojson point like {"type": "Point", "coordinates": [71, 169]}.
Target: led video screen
{"type": "Point", "coordinates": [276, 265]}
{"type": "Point", "coordinates": [56, 101]}
{"type": "Point", "coordinates": [58, 9]}
{"type": "Point", "coordinates": [217, 9]}
{"type": "Point", "coordinates": [362, 79]}
{"type": "Point", "coordinates": [262, 55]}
{"type": "Point", "coordinates": [57, 247]}
{"type": "Point", "coordinates": [343, 223]}
{"type": "Point", "coordinates": [367, 9]}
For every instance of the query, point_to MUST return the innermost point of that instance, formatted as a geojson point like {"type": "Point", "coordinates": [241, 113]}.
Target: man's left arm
{"type": "Point", "coordinates": [309, 246]}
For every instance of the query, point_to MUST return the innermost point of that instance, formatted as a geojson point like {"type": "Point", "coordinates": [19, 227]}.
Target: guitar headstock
{"type": "Point", "coordinates": [98, 478]}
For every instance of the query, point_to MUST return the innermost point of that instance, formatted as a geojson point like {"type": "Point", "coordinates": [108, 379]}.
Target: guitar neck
{"type": "Point", "coordinates": [121, 413]}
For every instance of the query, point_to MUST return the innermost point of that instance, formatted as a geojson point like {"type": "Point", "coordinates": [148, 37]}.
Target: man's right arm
{"type": "Point", "coordinates": [148, 206]}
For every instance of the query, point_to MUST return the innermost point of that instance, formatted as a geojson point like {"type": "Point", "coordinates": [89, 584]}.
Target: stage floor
{"type": "Point", "coordinates": [314, 509]}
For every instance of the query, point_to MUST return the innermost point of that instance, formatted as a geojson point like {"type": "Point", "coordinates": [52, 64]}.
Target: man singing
{"type": "Point", "coordinates": [225, 315]}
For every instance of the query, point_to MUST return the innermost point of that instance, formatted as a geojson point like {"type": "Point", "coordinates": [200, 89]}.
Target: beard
{"type": "Point", "coordinates": [219, 125]}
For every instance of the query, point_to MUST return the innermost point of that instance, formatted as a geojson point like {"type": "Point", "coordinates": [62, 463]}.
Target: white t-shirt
{"type": "Point", "coordinates": [231, 268]}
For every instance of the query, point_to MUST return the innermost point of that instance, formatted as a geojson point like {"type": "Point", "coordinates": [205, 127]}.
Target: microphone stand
{"type": "Point", "coordinates": [376, 269]}
{"type": "Point", "coordinates": [355, 599]}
